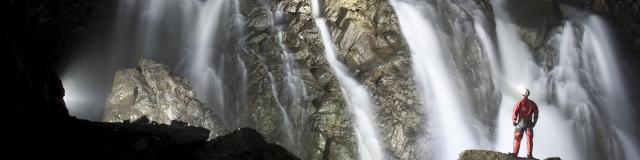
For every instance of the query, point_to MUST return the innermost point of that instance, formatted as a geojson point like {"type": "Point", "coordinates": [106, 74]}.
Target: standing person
{"type": "Point", "coordinates": [524, 118]}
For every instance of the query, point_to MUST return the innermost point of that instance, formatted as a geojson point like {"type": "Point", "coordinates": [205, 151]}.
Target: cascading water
{"type": "Point", "coordinates": [206, 80]}
{"type": "Point", "coordinates": [211, 59]}
{"type": "Point", "coordinates": [151, 17]}
{"type": "Point", "coordinates": [513, 67]}
{"type": "Point", "coordinates": [286, 126]}
{"type": "Point", "coordinates": [237, 73]}
{"type": "Point", "coordinates": [136, 23]}
{"type": "Point", "coordinates": [293, 86]}
{"type": "Point", "coordinates": [571, 97]}
{"type": "Point", "coordinates": [597, 44]}
{"type": "Point", "coordinates": [519, 70]}
{"type": "Point", "coordinates": [356, 95]}
{"type": "Point", "coordinates": [588, 87]}
{"type": "Point", "coordinates": [182, 34]}
{"type": "Point", "coordinates": [435, 81]}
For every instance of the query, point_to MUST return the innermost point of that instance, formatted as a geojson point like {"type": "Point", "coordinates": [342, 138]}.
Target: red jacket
{"type": "Point", "coordinates": [524, 111]}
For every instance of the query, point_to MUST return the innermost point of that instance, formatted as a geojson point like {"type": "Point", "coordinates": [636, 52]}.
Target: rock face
{"type": "Point", "coordinates": [457, 20]}
{"type": "Point", "coordinates": [151, 90]}
{"type": "Point", "coordinates": [322, 124]}
{"type": "Point", "coordinates": [368, 41]}
{"type": "Point", "coordinates": [484, 154]}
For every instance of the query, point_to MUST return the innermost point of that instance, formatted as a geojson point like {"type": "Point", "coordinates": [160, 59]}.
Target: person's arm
{"type": "Point", "coordinates": [535, 114]}
{"type": "Point", "coordinates": [514, 114]}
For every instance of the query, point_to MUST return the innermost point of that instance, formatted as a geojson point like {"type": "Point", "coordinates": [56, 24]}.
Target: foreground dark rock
{"type": "Point", "coordinates": [485, 154]}
{"type": "Point", "coordinates": [143, 139]}
{"type": "Point", "coordinates": [243, 143]}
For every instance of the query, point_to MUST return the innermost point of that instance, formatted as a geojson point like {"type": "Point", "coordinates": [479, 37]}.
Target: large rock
{"type": "Point", "coordinates": [485, 154]}
{"type": "Point", "coordinates": [153, 91]}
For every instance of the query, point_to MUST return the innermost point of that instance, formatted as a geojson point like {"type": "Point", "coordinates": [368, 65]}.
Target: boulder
{"type": "Point", "coordinates": [153, 91]}
{"type": "Point", "coordinates": [243, 143]}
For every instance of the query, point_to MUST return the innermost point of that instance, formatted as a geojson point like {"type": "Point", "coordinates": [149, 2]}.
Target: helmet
{"type": "Point", "coordinates": [524, 92]}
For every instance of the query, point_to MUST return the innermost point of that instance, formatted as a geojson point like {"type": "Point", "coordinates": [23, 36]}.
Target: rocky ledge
{"type": "Point", "coordinates": [485, 154]}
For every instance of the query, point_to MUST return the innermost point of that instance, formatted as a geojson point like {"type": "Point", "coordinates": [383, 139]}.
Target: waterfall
{"type": "Point", "coordinates": [553, 136]}
{"type": "Point", "coordinates": [575, 99]}
{"type": "Point", "coordinates": [590, 89]}
{"type": "Point", "coordinates": [237, 76]}
{"type": "Point", "coordinates": [355, 94]}
{"type": "Point", "coordinates": [616, 103]}
{"type": "Point", "coordinates": [286, 126]}
{"type": "Point", "coordinates": [139, 30]}
{"type": "Point", "coordinates": [488, 47]}
{"type": "Point", "coordinates": [212, 63]}
{"type": "Point", "coordinates": [435, 81]}
{"type": "Point", "coordinates": [293, 86]}
{"type": "Point", "coordinates": [205, 77]}
{"type": "Point", "coordinates": [186, 36]}
{"type": "Point", "coordinates": [151, 17]}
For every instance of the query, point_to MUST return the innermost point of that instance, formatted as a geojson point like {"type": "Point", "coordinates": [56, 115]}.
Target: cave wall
{"type": "Point", "coordinates": [36, 40]}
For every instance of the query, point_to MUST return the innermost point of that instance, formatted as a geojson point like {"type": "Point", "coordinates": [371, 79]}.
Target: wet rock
{"type": "Point", "coordinates": [151, 90]}
{"type": "Point", "coordinates": [485, 154]}
{"type": "Point", "coordinates": [535, 19]}
{"type": "Point", "coordinates": [470, 64]}
{"type": "Point", "coordinates": [321, 124]}
{"type": "Point", "coordinates": [369, 42]}
{"type": "Point", "coordinates": [546, 54]}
